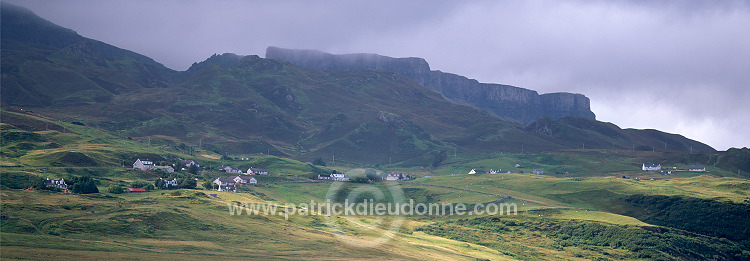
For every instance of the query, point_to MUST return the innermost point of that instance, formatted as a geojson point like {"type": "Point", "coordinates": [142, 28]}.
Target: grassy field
{"type": "Point", "coordinates": [151, 225]}
{"type": "Point", "coordinates": [158, 224]}
{"type": "Point", "coordinates": [542, 187]}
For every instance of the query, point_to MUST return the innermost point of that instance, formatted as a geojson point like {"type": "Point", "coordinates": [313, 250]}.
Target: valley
{"type": "Point", "coordinates": [191, 224]}
{"type": "Point", "coordinates": [108, 154]}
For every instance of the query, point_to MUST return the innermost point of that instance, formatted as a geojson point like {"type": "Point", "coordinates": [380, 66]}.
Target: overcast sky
{"type": "Point", "coordinates": [677, 66]}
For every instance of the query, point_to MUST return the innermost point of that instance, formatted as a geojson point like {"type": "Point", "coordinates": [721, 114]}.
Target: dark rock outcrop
{"type": "Point", "coordinates": [563, 104]}
{"type": "Point", "coordinates": [504, 101]}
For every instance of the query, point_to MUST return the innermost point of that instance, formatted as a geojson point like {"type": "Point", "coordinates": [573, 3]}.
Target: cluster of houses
{"type": "Point", "coordinates": [344, 177]}
{"type": "Point", "coordinates": [231, 183]}
{"type": "Point", "coordinates": [149, 165]}
{"type": "Point", "coordinates": [396, 177]}
{"type": "Point", "coordinates": [52, 183]}
{"type": "Point", "coordinates": [496, 171]}
{"type": "Point", "coordinates": [657, 167]}
{"type": "Point", "coordinates": [250, 171]}
{"type": "Point", "coordinates": [335, 177]}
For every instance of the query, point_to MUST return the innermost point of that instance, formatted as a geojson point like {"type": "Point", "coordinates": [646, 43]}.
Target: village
{"type": "Point", "coordinates": [237, 178]}
{"type": "Point", "coordinates": [644, 167]}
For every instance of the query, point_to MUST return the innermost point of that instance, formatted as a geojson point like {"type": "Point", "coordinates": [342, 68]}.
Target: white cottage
{"type": "Point", "coordinates": [651, 167]}
{"type": "Point", "coordinates": [143, 164]}
{"type": "Point", "coordinates": [257, 171]}
{"type": "Point", "coordinates": [339, 177]}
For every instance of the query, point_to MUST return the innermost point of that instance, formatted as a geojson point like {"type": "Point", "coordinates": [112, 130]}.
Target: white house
{"type": "Point", "coordinates": [539, 171]}
{"type": "Point", "coordinates": [339, 177]}
{"type": "Point", "coordinates": [324, 176]}
{"type": "Point", "coordinates": [188, 163]}
{"type": "Point", "coordinates": [473, 171]}
{"type": "Point", "coordinates": [170, 182]}
{"type": "Point", "coordinates": [225, 184]}
{"type": "Point", "coordinates": [143, 164]}
{"type": "Point", "coordinates": [396, 176]}
{"type": "Point", "coordinates": [651, 166]}
{"type": "Point", "coordinates": [697, 168]}
{"type": "Point", "coordinates": [257, 171]}
{"type": "Point", "coordinates": [230, 169]}
{"type": "Point", "coordinates": [56, 183]}
{"type": "Point", "coordinates": [244, 180]}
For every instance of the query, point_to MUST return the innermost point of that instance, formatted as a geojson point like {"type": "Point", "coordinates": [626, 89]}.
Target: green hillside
{"type": "Point", "coordinates": [84, 111]}
{"type": "Point", "coordinates": [555, 220]}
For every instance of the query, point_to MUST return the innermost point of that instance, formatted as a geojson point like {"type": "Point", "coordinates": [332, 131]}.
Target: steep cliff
{"type": "Point", "coordinates": [504, 101]}
{"type": "Point", "coordinates": [416, 69]}
{"type": "Point", "coordinates": [563, 104]}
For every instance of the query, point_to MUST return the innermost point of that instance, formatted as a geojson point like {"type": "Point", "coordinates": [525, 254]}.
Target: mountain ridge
{"type": "Point", "coordinates": [504, 101]}
{"type": "Point", "coordinates": [234, 104]}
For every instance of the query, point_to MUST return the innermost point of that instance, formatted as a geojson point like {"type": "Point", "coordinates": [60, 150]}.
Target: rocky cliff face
{"type": "Point", "coordinates": [563, 104]}
{"type": "Point", "coordinates": [505, 101]}
{"type": "Point", "coordinates": [416, 69]}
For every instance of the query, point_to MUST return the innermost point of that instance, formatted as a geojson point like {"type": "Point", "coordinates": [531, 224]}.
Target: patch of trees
{"type": "Point", "coordinates": [319, 162]}
{"type": "Point", "coordinates": [183, 181]}
{"type": "Point", "coordinates": [83, 185]}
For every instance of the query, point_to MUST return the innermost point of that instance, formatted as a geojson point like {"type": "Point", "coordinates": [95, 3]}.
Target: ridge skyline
{"type": "Point", "coordinates": [639, 88]}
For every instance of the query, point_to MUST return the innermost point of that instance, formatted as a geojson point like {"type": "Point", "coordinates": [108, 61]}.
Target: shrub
{"type": "Point", "coordinates": [84, 185]}
{"type": "Point", "coordinates": [115, 189]}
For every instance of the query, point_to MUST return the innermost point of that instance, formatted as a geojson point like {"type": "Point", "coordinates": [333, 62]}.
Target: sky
{"type": "Point", "coordinates": [676, 66]}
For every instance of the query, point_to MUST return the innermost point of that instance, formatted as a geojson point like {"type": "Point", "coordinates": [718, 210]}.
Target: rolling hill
{"type": "Point", "coordinates": [563, 217]}
{"type": "Point", "coordinates": [560, 216]}
{"type": "Point", "coordinates": [78, 109]}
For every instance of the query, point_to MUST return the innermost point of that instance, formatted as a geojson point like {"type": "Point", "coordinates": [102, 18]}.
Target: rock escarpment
{"type": "Point", "coordinates": [505, 101]}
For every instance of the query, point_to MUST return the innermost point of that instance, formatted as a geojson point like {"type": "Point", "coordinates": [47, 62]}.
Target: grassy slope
{"type": "Point", "coordinates": [199, 227]}
{"type": "Point", "coordinates": [583, 163]}
{"type": "Point", "coordinates": [579, 192]}
{"type": "Point", "coordinates": [129, 225]}
{"type": "Point", "coordinates": [158, 225]}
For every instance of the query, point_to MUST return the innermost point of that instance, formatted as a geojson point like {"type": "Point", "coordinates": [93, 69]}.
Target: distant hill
{"type": "Point", "coordinates": [48, 65]}
{"type": "Point", "coordinates": [233, 104]}
{"type": "Point", "coordinates": [582, 133]}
